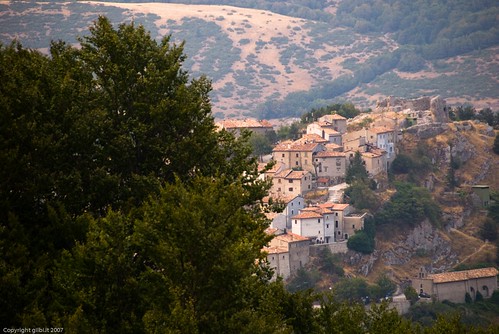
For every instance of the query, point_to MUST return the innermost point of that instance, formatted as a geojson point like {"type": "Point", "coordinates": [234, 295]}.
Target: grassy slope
{"type": "Point", "coordinates": [252, 55]}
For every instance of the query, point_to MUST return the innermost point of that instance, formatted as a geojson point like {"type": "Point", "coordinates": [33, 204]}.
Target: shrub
{"type": "Point", "coordinates": [361, 242]}
{"type": "Point", "coordinates": [467, 298]}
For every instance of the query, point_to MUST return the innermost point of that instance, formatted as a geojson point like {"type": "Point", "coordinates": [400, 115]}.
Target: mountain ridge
{"type": "Point", "coordinates": [257, 59]}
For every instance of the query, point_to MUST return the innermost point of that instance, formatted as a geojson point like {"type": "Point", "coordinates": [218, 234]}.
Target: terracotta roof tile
{"type": "Point", "coordinates": [244, 123]}
{"type": "Point", "coordinates": [380, 129]}
{"type": "Point", "coordinates": [291, 237]}
{"type": "Point", "coordinates": [456, 276]}
{"type": "Point", "coordinates": [330, 154]}
{"type": "Point", "coordinates": [296, 146]}
{"type": "Point", "coordinates": [307, 215]}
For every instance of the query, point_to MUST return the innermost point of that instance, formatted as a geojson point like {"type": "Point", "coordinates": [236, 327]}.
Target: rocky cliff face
{"type": "Point", "coordinates": [422, 241]}
{"type": "Point", "coordinates": [467, 145]}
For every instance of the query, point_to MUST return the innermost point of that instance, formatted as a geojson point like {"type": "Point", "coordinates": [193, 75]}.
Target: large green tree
{"type": "Point", "coordinates": [87, 129]}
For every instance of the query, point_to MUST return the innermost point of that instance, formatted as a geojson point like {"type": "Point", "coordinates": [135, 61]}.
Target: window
{"type": "Point", "coordinates": [283, 155]}
{"type": "Point", "coordinates": [296, 222]}
{"type": "Point", "coordinates": [290, 181]}
{"type": "Point", "coordinates": [338, 162]}
{"type": "Point", "coordinates": [319, 220]}
{"type": "Point", "coordinates": [297, 155]}
{"type": "Point", "coordinates": [336, 224]}
{"type": "Point", "coordinates": [278, 180]}
{"type": "Point", "coordinates": [327, 225]}
{"type": "Point", "coordinates": [353, 226]}
{"type": "Point", "coordinates": [336, 214]}
{"type": "Point", "coordinates": [297, 163]}
{"type": "Point", "coordinates": [291, 189]}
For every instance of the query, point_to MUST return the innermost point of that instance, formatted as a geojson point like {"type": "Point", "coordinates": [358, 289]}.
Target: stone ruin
{"type": "Point", "coordinates": [426, 109]}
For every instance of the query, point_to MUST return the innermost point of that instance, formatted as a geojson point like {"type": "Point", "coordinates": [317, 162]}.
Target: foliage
{"type": "Point", "coordinates": [489, 230]}
{"type": "Point", "coordinates": [291, 131]}
{"type": "Point", "coordinates": [361, 242]}
{"type": "Point", "coordinates": [467, 298]}
{"type": "Point", "coordinates": [493, 207]}
{"type": "Point", "coordinates": [356, 170]}
{"type": "Point", "coordinates": [104, 127]}
{"type": "Point", "coordinates": [262, 143]}
{"type": "Point", "coordinates": [330, 263]}
{"type": "Point", "coordinates": [409, 206]}
{"type": "Point", "coordinates": [402, 164]}
{"type": "Point", "coordinates": [411, 294]}
{"type": "Point", "coordinates": [346, 110]}
{"type": "Point", "coordinates": [303, 280]}
{"type": "Point", "coordinates": [361, 196]}
{"type": "Point", "coordinates": [495, 148]}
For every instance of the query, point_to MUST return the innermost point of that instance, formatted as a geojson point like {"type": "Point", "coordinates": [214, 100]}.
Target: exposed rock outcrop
{"type": "Point", "coordinates": [422, 240]}
{"type": "Point", "coordinates": [429, 130]}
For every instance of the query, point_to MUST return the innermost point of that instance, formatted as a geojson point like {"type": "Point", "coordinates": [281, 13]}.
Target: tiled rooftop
{"type": "Point", "coordinates": [244, 123]}
{"type": "Point", "coordinates": [296, 146]}
{"type": "Point", "coordinates": [464, 275]}
{"type": "Point", "coordinates": [330, 154]}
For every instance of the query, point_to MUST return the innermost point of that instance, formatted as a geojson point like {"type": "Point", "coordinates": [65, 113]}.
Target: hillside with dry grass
{"type": "Point", "coordinates": [256, 58]}
{"type": "Point", "coordinates": [400, 250]}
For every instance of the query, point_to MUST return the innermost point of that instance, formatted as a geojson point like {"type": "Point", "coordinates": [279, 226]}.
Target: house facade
{"type": "Point", "coordinates": [331, 165]}
{"type": "Point", "coordinates": [297, 154]}
{"type": "Point", "coordinates": [292, 206]}
{"type": "Point", "coordinates": [314, 223]}
{"type": "Point", "coordinates": [326, 131]}
{"type": "Point", "coordinates": [287, 253]}
{"type": "Point", "coordinates": [291, 183]}
{"type": "Point", "coordinates": [236, 126]}
{"type": "Point", "coordinates": [338, 122]}
{"type": "Point", "coordinates": [383, 138]}
{"type": "Point", "coordinates": [453, 286]}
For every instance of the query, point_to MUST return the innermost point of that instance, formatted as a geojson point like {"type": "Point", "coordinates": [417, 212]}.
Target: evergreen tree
{"type": "Point", "coordinates": [495, 148]}
{"type": "Point", "coordinates": [356, 170]}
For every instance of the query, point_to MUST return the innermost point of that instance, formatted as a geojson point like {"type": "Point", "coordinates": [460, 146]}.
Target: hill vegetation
{"type": "Point", "coordinates": [312, 53]}
{"type": "Point", "coordinates": [122, 210]}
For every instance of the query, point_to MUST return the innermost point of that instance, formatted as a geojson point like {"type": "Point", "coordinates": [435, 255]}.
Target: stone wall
{"type": "Point", "coordinates": [336, 247]}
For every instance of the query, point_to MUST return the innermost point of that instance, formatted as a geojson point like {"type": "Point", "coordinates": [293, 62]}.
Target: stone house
{"type": "Point", "coordinates": [327, 222]}
{"type": "Point", "coordinates": [292, 206]}
{"type": "Point", "coordinates": [374, 160]}
{"type": "Point", "coordinates": [453, 286]}
{"type": "Point", "coordinates": [287, 252]}
{"type": "Point", "coordinates": [384, 138]}
{"type": "Point", "coordinates": [314, 223]}
{"type": "Point", "coordinates": [289, 182]}
{"type": "Point", "coordinates": [297, 154]}
{"type": "Point", "coordinates": [331, 165]}
{"type": "Point", "coordinates": [346, 221]}
{"type": "Point", "coordinates": [326, 131]}
{"type": "Point", "coordinates": [237, 126]}
{"type": "Point", "coordinates": [338, 122]}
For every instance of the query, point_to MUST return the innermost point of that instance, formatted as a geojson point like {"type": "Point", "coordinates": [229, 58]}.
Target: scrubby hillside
{"type": "Point", "coordinates": [465, 150]}
{"type": "Point", "coordinates": [279, 65]}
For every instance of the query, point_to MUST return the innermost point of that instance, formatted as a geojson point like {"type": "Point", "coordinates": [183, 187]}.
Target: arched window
{"type": "Point", "coordinates": [485, 291]}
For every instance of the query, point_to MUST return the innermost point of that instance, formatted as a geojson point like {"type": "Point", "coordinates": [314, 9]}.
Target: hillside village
{"type": "Point", "coordinates": [318, 162]}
